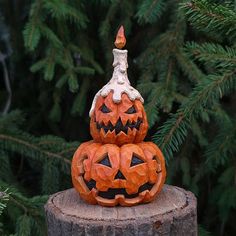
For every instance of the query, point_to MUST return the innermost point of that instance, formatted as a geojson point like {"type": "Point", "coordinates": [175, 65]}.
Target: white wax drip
{"type": "Point", "coordinates": [119, 82]}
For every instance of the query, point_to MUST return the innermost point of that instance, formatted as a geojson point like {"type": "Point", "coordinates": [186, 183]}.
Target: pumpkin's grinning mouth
{"type": "Point", "coordinates": [119, 127]}
{"type": "Point", "coordinates": [112, 192]}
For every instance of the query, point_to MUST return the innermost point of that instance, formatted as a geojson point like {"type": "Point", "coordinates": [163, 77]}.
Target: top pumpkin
{"type": "Point", "coordinates": [121, 123]}
{"type": "Point", "coordinates": [117, 114]}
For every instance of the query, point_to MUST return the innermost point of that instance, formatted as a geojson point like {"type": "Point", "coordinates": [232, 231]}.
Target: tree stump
{"type": "Point", "coordinates": [173, 212]}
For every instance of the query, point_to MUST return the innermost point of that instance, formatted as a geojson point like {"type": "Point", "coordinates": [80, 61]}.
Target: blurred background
{"type": "Point", "coordinates": [56, 54]}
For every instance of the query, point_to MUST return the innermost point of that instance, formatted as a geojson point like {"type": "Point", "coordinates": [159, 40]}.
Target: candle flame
{"type": "Point", "coordinates": [120, 38]}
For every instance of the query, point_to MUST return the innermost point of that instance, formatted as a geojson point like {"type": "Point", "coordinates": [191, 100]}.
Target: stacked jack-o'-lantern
{"type": "Point", "coordinates": [117, 167]}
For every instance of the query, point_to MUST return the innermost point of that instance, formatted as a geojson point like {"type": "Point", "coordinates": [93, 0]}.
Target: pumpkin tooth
{"type": "Point", "coordinates": [109, 134]}
{"type": "Point", "coordinates": [105, 122]}
{"type": "Point", "coordinates": [131, 134]}
{"type": "Point", "coordinates": [121, 132]}
{"type": "Point", "coordinates": [129, 137]}
{"type": "Point", "coordinates": [102, 134]}
{"type": "Point", "coordinates": [113, 122]}
{"type": "Point", "coordinates": [121, 136]}
{"type": "Point", "coordinates": [120, 196]}
{"type": "Point", "coordinates": [123, 120]}
{"type": "Point", "coordinates": [135, 120]}
{"type": "Point", "coordinates": [94, 192]}
{"type": "Point", "coordinates": [145, 195]}
{"type": "Point", "coordinates": [129, 131]}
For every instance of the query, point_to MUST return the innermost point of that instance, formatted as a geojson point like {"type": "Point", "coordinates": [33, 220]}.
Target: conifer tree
{"type": "Point", "coordinates": [56, 54]}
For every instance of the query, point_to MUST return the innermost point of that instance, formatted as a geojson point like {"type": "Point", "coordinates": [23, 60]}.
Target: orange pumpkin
{"type": "Point", "coordinates": [110, 175]}
{"type": "Point", "coordinates": [125, 122]}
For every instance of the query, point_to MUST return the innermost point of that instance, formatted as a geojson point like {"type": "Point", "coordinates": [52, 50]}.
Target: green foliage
{"type": "Point", "coordinates": [26, 213]}
{"type": "Point", "coordinates": [149, 10]}
{"type": "Point", "coordinates": [48, 23]}
{"type": "Point", "coordinates": [50, 152]}
{"type": "Point", "coordinates": [4, 198]}
{"type": "Point", "coordinates": [182, 58]}
{"type": "Point", "coordinates": [212, 17]}
{"type": "Point", "coordinates": [202, 231]}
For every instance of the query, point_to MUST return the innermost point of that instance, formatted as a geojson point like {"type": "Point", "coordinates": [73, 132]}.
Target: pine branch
{"type": "Point", "coordinates": [211, 17]}
{"type": "Point", "coordinates": [50, 178]}
{"type": "Point", "coordinates": [172, 134]}
{"type": "Point", "coordinates": [4, 198]}
{"type": "Point", "coordinates": [188, 67]}
{"type": "Point", "coordinates": [12, 120]}
{"type": "Point", "coordinates": [51, 36]}
{"type": "Point", "coordinates": [46, 149]}
{"type": "Point", "coordinates": [7, 83]}
{"type": "Point", "coordinates": [29, 211]}
{"type": "Point", "coordinates": [174, 131]}
{"type": "Point", "coordinates": [55, 113]}
{"type": "Point", "coordinates": [106, 24]}
{"type": "Point", "coordinates": [31, 35]}
{"type": "Point", "coordinates": [150, 10]}
{"type": "Point", "coordinates": [221, 150]}
{"type": "Point", "coordinates": [59, 46]}
{"type": "Point", "coordinates": [27, 146]}
{"type": "Point", "coordinates": [79, 104]}
{"type": "Point", "coordinates": [5, 168]}
{"type": "Point", "coordinates": [225, 193]}
{"type": "Point", "coordinates": [209, 91]}
{"type": "Point", "coordinates": [88, 56]}
{"type": "Point", "coordinates": [202, 231]}
{"type": "Point", "coordinates": [32, 206]}
{"type": "Point", "coordinates": [214, 56]}
{"type": "Point", "coordinates": [49, 65]}
{"type": "Point", "coordinates": [23, 225]}
{"type": "Point", "coordinates": [59, 9]}
{"type": "Point", "coordinates": [31, 31]}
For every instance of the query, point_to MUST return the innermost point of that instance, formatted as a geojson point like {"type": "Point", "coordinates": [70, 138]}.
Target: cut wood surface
{"type": "Point", "coordinates": [173, 212]}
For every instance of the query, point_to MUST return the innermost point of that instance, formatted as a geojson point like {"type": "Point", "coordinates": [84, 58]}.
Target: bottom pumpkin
{"type": "Point", "coordinates": [109, 175]}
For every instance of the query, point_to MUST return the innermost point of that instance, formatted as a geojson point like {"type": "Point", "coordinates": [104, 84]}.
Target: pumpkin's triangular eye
{"type": "Point", "coordinates": [136, 160]}
{"type": "Point", "coordinates": [131, 110]}
{"type": "Point", "coordinates": [105, 161]}
{"type": "Point", "coordinates": [105, 109]}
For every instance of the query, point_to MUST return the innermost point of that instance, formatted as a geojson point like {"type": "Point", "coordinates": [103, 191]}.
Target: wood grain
{"type": "Point", "coordinates": [173, 212]}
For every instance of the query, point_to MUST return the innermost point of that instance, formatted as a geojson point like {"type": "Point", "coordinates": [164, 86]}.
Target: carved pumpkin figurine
{"type": "Point", "coordinates": [110, 175]}
{"type": "Point", "coordinates": [117, 167]}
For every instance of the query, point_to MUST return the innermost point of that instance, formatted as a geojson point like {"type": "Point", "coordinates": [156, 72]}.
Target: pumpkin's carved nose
{"type": "Point", "coordinates": [119, 175]}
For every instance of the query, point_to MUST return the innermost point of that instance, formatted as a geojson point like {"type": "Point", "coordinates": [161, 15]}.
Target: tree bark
{"type": "Point", "coordinates": [173, 212]}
